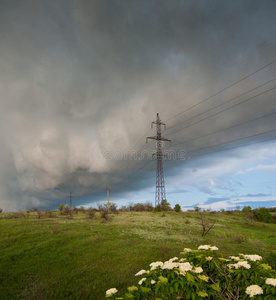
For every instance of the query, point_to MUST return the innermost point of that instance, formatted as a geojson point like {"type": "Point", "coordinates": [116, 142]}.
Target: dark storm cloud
{"type": "Point", "coordinates": [81, 78]}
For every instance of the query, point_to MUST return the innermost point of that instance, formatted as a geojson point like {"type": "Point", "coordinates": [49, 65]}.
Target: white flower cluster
{"type": "Point", "coordinates": [172, 264]}
{"type": "Point", "coordinates": [169, 265]}
{"type": "Point", "coordinates": [252, 257]}
{"type": "Point", "coordinates": [187, 250]}
{"type": "Point", "coordinates": [271, 281]}
{"type": "Point", "coordinates": [207, 247]}
{"type": "Point", "coordinates": [236, 258]}
{"type": "Point", "coordinates": [184, 267]}
{"type": "Point", "coordinates": [239, 264]}
{"type": "Point", "coordinates": [141, 272]}
{"type": "Point", "coordinates": [111, 291]}
{"type": "Point", "coordinates": [142, 280]}
{"type": "Point", "coordinates": [173, 259]}
{"type": "Point", "coordinates": [254, 290]}
{"type": "Point", "coordinates": [197, 270]}
{"type": "Point", "coordinates": [155, 265]}
{"type": "Point", "coordinates": [209, 258]}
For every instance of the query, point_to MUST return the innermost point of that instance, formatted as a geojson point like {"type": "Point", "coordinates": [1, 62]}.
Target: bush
{"type": "Point", "coordinates": [103, 211]}
{"type": "Point", "coordinates": [203, 273]}
{"type": "Point", "coordinates": [263, 215]}
{"type": "Point", "coordinates": [67, 210]}
{"type": "Point", "coordinates": [113, 208]}
{"type": "Point", "coordinates": [81, 208]}
{"type": "Point", "coordinates": [246, 209]}
{"type": "Point", "coordinates": [165, 205]}
{"type": "Point", "coordinates": [1, 210]}
{"type": "Point", "coordinates": [38, 212]}
{"type": "Point", "coordinates": [197, 208]}
{"type": "Point", "coordinates": [60, 208]}
{"type": "Point", "coordinates": [124, 208]}
{"type": "Point", "coordinates": [271, 259]}
{"type": "Point", "coordinates": [141, 207]}
{"type": "Point", "coordinates": [48, 213]}
{"type": "Point", "coordinates": [177, 208]}
{"type": "Point", "coordinates": [90, 212]}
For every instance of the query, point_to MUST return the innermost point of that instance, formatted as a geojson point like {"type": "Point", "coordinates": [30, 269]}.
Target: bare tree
{"type": "Point", "coordinates": [206, 225]}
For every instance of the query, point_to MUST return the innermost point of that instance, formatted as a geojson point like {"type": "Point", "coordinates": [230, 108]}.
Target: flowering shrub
{"type": "Point", "coordinates": [203, 273]}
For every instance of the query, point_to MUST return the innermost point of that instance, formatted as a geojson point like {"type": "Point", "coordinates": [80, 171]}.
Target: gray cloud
{"type": "Point", "coordinates": [79, 78]}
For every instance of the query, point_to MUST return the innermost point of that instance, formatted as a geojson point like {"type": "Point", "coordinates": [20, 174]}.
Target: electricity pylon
{"type": "Point", "coordinates": [160, 193]}
{"type": "Point", "coordinates": [71, 198]}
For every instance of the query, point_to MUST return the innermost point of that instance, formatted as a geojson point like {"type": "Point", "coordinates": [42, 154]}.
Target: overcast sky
{"type": "Point", "coordinates": [81, 81]}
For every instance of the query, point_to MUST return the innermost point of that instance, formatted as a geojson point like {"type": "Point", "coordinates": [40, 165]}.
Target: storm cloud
{"type": "Point", "coordinates": [82, 80]}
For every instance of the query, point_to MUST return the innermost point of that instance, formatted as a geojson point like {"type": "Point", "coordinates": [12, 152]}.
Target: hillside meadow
{"type": "Point", "coordinates": [57, 256]}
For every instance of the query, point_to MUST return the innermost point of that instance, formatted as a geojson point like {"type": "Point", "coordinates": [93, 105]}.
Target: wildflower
{"type": "Point", "coordinates": [271, 281]}
{"type": "Point", "coordinates": [173, 259]}
{"type": "Point", "coordinates": [239, 264]}
{"type": "Point", "coordinates": [253, 290]}
{"type": "Point", "coordinates": [213, 248]}
{"type": "Point", "coordinates": [184, 267]}
{"type": "Point", "coordinates": [253, 257]}
{"type": "Point", "coordinates": [142, 280]}
{"type": "Point", "coordinates": [187, 250]}
{"type": "Point", "coordinates": [182, 259]}
{"type": "Point", "coordinates": [153, 282]}
{"type": "Point", "coordinates": [111, 292]}
{"type": "Point", "coordinates": [169, 265]}
{"type": "Point", "coordinates": [197, 270]}
{"type": "Point", "coordinates": [236, 258]}
{"type": "Point", "coordinates": [155, 265]}
{"type": "Point", "coordinates": [141, 272]}
{"type": "Point", "coordinates": [204, 247]}
{"type": "Point", "coordinates": [209, 258]}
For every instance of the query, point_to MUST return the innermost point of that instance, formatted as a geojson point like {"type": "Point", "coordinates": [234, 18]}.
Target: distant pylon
{"type": "Point", "coordinates": [160, 193]}
{"type": "Point", "coordinates": [71, 198]}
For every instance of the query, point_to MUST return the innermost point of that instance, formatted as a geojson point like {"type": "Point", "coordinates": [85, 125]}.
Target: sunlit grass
{"type": "Point", "coordinates": [79, 258]}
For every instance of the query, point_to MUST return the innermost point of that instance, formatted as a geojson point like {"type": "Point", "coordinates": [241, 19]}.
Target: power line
{"type": "Point", "coordinates": [223, 110]}
{"type": "Point", "coordinates": [232, 126]}
{"type": "Point", "coordinates": [222, 90]}
{"type": "Point", "coordinates": [223, 103]}
{"type": "Point", "coordinates": [236, 140]}
{"type": "Point", "coordinates": [237, 61]}
{"type": "Point", "coordinates": [218, 150]}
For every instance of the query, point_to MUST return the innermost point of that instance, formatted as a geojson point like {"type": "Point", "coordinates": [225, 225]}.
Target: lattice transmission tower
{"type": "Point", "coordinates": [160, 193]}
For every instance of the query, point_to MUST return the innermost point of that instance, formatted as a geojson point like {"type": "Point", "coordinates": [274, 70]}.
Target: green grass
{"type": "Point", "coordinates": [80, 258]}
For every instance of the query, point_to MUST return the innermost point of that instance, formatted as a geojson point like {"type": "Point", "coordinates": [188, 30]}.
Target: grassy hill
{"type": "Point", "coordinates": [54, 256]}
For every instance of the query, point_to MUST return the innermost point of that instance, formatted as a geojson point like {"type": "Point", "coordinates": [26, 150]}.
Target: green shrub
{"type": "Point", "coordinates": [177, 208]}
{"type": "Point", "coordinates": [263, 215]}
{"type": "Point", "coordinates": [60, 207]}
{"type": "Point", "coordinates": [246, 209]}
{"type": "Point", "coordinates": [271, 259]}
{"type": "Point", "coordinates": [158, 208]}
{"type": "Point", "coordinates": [165, 205]}
{"type": "Point", "coordinates": [203, 273]}
{"type": "Point", "coordinates": [90, 212]}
